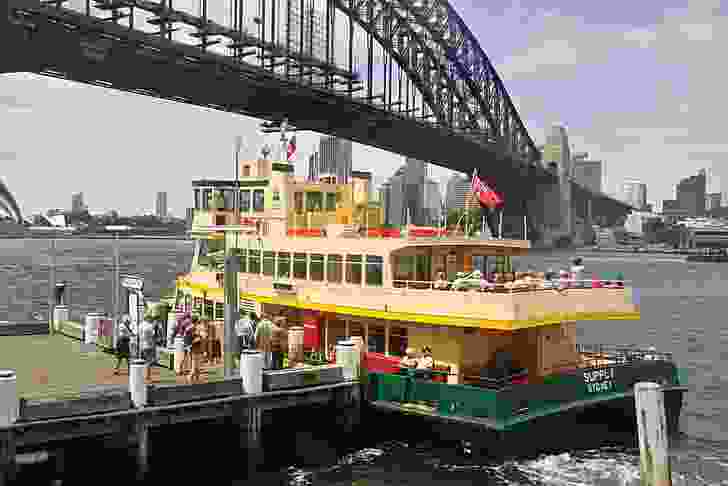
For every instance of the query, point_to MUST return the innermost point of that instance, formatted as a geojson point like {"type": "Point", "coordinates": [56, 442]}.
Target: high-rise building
{"type": "Point", "coordinates": [432, 202]}
{"type": "Point", "coordinates": [557, 154]}
{"type": "Point", "coordinates": [307, 30]}
{"type": "Point", "coordinates": [313, 167]}
{"type": "Point", "coordinates": [77, 204]}
{"type": "Point", "coordinates": [333, 159]}
{"type": "Point", "coordinates": [393, 198]}
{"type": "Point", "coordinates": [690, 194]}
{"type": "Point", "coordinates": [634, 193]}
{"type": "Point", "coordinates": [161, 207]}
{"type": "Point", "coordinates": [458, 192]}
{"type": "Point", "coordinates": [712, 201]}
{"type": "Point", "coordinates": [415, 174]}
{"type": "Point", "coordinates": [588, 173]}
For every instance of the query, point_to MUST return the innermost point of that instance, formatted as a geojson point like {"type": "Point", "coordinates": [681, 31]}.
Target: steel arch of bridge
{"type": "Point", "coordinates": [433, 45]}
{"type": "Point", "coordinates": [426, 38]}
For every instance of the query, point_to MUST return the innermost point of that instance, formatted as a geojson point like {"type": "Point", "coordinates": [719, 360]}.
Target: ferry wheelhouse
{"type": "Point", "coordinates": [505, 353]}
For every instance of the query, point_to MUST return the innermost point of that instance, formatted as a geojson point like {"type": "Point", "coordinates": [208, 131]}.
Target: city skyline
{"type": "Point", "coordinates": [552, 68]}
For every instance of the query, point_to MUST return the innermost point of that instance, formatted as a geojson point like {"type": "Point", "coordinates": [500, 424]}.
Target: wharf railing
{"type": "Point", "coordinates": [596, 355]}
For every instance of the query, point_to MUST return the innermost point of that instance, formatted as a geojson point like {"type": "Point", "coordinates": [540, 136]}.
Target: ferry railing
{"type": "Point", "coordinates": [594, 355]}
{"type": "Point", "coordinates": [520, 286]}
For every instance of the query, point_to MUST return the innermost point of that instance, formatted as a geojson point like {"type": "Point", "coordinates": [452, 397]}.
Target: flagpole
{"type": "Point", "coordinates": [500, 226]}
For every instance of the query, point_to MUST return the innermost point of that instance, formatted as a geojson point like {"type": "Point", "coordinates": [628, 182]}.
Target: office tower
{"type": "Point", "coordinates": [432, 202]}
{"type": "Point", "coordinates": [458, 192]}
{"type": "Point", "coordinates": [634, 193]}
{"type": "Point", "coordinates": [334, 159]}
{"type": "Point", "coordinates": [690, 194]}
{"type": "Point", "coordinates": [415, 172]}
{"type": "Point", "coordinates": [313, 167]}
{"type": "Point", "coordinates": [307, 30]}
{"type": "Point", "coordinates": [77, 204]}
{"type": "Point", "coordinates": [393, 197]}
{"type": "Point", "coordinates": [557, 154]}
{"type": "Point", "coordinates": [588, 173]}
{"type": "Point", "coordinates": [161, 208]}
{"type": "Point", "coordinates": [712, 201]}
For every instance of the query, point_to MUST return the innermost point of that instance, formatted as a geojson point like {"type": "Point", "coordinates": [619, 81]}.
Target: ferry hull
{"type": "Point", "coordinates": [609, 422]}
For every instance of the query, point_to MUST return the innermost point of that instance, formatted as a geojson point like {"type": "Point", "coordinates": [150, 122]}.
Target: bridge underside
{"type": "Point", "coordinates": [88, 50]}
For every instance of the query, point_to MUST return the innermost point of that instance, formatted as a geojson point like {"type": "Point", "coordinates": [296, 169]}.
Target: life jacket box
{"type": "Point", "coordinates": [379, 363]}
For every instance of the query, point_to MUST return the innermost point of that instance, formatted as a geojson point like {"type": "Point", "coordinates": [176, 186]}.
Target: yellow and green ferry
{"type": "Point", "coordinates": [506, 355]}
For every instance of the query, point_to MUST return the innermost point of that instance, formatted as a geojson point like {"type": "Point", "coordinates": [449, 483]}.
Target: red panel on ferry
{"type": "Point", "coordinates": [311, 324]}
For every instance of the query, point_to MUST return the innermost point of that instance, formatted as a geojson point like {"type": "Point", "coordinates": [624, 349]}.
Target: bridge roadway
{"type": "Point", "coordinates": [64, 43]}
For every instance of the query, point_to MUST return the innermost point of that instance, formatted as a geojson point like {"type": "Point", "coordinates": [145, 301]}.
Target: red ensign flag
{"type": "Point", "coordinates": [486, 196]}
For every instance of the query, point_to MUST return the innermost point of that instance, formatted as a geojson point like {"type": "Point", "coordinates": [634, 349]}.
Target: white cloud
{"type": "Point", "coordinates": [642, 37]}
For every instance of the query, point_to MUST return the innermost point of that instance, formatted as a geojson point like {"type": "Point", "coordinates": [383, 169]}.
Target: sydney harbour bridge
{"type": "Point", "coordinates": [407, 76]}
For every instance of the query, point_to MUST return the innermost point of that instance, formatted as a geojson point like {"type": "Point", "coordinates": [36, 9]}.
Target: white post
{"type": "Point", "coordinates": [652, 435]}
{"type": "Point", "coordinates": [9, 402]}
{"type": "Point", "coordinates": [525, 228]}
{"type": "Point", "coordinates": [51, 285]}
{"type": "Point", "coordinates": [500, 225]}
{"type": "Point", "coordinates": [137, 387]}
{"type": "Point", "coordinates": [117, 281]}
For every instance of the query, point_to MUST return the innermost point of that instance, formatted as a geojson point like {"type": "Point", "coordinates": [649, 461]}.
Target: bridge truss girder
{"type": "Point", "coordinates": [430, 43]}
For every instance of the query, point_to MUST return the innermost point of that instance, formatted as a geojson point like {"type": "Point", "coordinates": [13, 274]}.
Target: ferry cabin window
{"type": "Point", "coordinates": [333, 271]}
{"type": "Point", "coordinates": [314, 201]}
{"type": "Point", "coordinates": [404, 267]}
{"type": "Point", "coordinates": [208, 310]}
{"type": "Point", "coordinates": [375, 271]}
{"type": "Point", "coordinates": [206, 196]}
{"type": "Point", "coordinates": [243, 261]}
{"type": "Point", "coordinates": [228, 195]}
{"type": "Point", "coordinates": [245, 201]}
{"type": "Point", "coordinates": [298, 202]}
{"type": "Point", "coordinates": [268, 263]}
{"type": "Point", "coordinates": [246, 171]}
{"type": "Point", "coordinates": [254, 262]}
{"type": "Point", "coordinates": [198, 199]}
{"type": "Point", "coordinates": [330, 201]}
{"type": "Point", "coordinates": [258, 200]}
{"type": "Point", "coordinates": [353, 269]}
{"type": "Point", "coordinates": [299, 265]}
{"type": "Point", "coordinates": [197, 305]}
{"type": "Point", "coordinates": [423, 268]}
{"type": "Point", "coordinates": [284, 265]}
{"type": "Point", "coordinates": [219, 311]}
{"type": "Point", "coordinates": [317, 267]}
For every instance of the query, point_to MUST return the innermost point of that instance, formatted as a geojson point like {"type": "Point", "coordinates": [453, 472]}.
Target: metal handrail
{"type": "Point", "coordinates": [534, 285]}
{"type": "Point", "coordinates": [620, 354]}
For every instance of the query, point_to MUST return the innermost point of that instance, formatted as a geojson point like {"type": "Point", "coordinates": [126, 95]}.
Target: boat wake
{"type": "Point", "coordinates": [610, 466]}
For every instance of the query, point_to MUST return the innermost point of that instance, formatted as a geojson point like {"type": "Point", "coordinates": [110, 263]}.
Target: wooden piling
{"type": "Point", "coordinates": [652, 435]}
{"type": "Point", "coordinates": [60, 467]}
{"type": "Point", "coordinates": [7, 457]}
{"type": "Point", "coordinates": [250, 424]}
{"type": "Point", "coordinates": [142, 436]}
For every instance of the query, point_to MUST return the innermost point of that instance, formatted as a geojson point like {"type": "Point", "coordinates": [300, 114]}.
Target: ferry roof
{"type": "Point", "coordinates": [374, 246]}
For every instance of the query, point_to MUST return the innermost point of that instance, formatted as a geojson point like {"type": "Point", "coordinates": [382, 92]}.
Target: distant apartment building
{"type": "Point", "coordinates": [161, 206]}
{"type": "Point", "coordinates": [690, 194]}
{"type": "Point", "coordinates": [333, 159]}
{"type": "Point", "coordinates": [457, 195]}
{"type": "Point", "coordinates": [432, 202]}
{"type": "Point", "coordinates": [634, 193]}
{"type": "Point", "coordinates": [713, 201]}
{"type": "Point", "coordinates": [77, 203]}
{"type": "Point", "coordinates": [588, 173]}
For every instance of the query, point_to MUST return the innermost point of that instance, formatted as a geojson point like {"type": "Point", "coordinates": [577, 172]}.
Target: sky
{"type": "Point", "coordinates": [638, 85]}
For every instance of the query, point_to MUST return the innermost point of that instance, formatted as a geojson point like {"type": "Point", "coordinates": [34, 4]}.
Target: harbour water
{"type": "Point", "coordinates": [682, 305]}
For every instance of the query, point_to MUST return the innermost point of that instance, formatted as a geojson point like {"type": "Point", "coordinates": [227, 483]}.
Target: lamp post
{"type": "Point", "coordinates": [117, 274]}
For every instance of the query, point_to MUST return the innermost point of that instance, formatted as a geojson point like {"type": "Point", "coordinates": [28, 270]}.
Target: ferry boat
{"type": "Point", "coordinates": [506, 357]}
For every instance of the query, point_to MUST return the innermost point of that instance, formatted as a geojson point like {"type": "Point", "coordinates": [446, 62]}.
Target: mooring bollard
{"type": "Point", "coordinates": [652, 435]}
{"type": "Point", "coordinates": [251, 371]}
{"type": "Point", "coordinates": [9, 402]}
{"type": "Point", "coordinates": [137, 386]}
